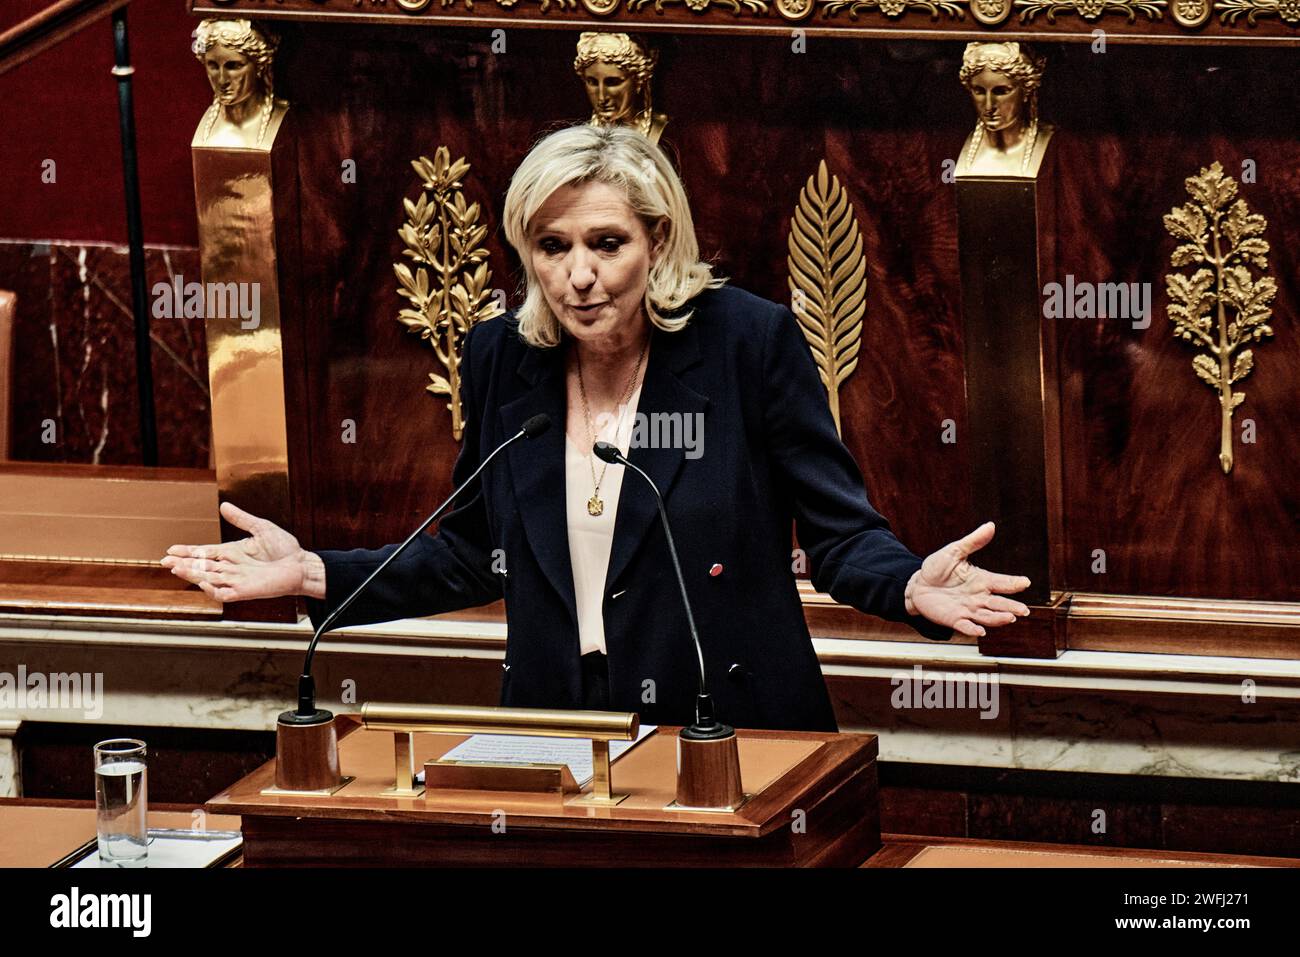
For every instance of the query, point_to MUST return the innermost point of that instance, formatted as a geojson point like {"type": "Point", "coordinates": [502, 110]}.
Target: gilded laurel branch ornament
{"type": "Point", "coordinates": [443, 236]}
{"type": "Point", "coordinates": [828, 279]}
{"type": "Point", "coordinates": [1090, 9]}
{"type": "Point", "coordinates": [1220, 306]}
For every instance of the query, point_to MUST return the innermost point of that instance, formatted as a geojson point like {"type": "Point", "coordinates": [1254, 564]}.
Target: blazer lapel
{"type": "Point", "coordinates": [537, 468]}
{"type": "Point", "coordinates": [537, 465]}
{"type": "Point", "coordinates": [662, 391]}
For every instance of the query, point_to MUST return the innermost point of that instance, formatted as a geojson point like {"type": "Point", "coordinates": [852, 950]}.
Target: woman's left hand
{"type": "Point", "coordinates": [949, 590]}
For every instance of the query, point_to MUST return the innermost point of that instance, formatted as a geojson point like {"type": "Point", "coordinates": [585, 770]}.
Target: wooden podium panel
{"type": "Point", "coordinates": [913, 851]}
{"type": "Point", "coordinates": [814, 803]}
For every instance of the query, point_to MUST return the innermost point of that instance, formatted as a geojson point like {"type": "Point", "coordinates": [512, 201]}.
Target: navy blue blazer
{"type": "Point", "coordinates": [770, 458]}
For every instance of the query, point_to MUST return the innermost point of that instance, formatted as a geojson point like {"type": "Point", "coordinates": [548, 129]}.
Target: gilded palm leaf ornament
{"type": "Point", "coordinates": [828, 280]}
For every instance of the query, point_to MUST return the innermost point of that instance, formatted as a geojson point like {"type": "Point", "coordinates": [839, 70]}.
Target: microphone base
{"type": "Point", "coordinates": [708, 768]}
{"type": "Point", "coordinates": [306, 752]}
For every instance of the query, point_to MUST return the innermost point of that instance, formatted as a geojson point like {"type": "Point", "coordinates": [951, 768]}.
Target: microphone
{"type": "Point", "coordinates": [307, 712]}
{"type": "Point", "coordinates": [706, 726]}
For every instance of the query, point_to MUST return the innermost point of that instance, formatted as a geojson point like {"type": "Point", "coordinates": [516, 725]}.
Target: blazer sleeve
{"type": "Point", "coordinates": [852, 552]}
{"type": "Point", "coordinates": [438, 573]}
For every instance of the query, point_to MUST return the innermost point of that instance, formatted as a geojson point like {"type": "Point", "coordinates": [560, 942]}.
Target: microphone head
{"type": "Point", "coordinates": [607, 452]}
{"type": "Point", "coordinates": [536, 426]}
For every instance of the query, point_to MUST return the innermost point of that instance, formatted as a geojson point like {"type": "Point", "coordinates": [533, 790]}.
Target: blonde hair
{"type": "Point", "coordinates": [628, 160]}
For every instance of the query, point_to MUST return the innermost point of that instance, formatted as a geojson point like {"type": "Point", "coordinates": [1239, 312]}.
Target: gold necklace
{"type": "Point", "coordinates": [594, 505]}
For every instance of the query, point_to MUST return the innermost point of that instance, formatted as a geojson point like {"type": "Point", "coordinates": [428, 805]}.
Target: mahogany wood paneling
{"type": "Point", "coordinates": [186, 765]}
{"type": "Point", "coordinates": [749, 121]}
{"type": "Point", "coordinates": [1140, 432]}
{"type": "Point", "coordinates": [1201, 826]}
{"type": "Point", "coordinates": [746, 137]}
{"type": "Point", "coordinates": [916, 810]}
{"type": "Point", "coordinates": [903, 850]}
{"type": "Point", "coordinates": [1168, 813]}
{"type": "Point", "coordinates": [1067, 820]}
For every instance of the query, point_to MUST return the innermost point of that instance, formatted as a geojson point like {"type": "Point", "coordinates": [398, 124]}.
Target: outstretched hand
{"type": "Point", "coordinates": [267, 564]}
{"type": "Point", "coordinates": [948, 590]}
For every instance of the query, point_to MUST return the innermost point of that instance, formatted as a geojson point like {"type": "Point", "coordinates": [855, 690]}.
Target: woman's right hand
{"type": "Point", "coordinates": [268, 564]}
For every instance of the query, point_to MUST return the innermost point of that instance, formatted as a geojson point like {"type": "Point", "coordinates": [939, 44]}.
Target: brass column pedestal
{"type": "Point", "coordinates": [1011, 401]}
{"type": "Point", "coordinates": [243, 262]}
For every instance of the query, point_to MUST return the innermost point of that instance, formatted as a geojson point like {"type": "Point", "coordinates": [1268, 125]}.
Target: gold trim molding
{"type": "Point", "coordinates": [1190, 15]}
{"type": "Point", "coordinates": [1230, 10]}
{"type": "Point", "coordinates": [894, 8]}
{"type": "Point", "coordinates": [1090, 9]}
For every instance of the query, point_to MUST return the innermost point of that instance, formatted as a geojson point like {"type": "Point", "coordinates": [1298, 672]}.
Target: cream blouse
{"type": "Point", "coordinates": [591, 537]}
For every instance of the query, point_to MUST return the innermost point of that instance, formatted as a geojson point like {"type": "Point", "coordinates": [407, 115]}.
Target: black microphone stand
{"type": "Point", "coordinates": [305, 766]}
{"type": "Point", "coordinates": [708, 760]}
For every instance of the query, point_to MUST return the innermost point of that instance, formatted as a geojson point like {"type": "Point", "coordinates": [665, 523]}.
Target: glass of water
{"type": "Point", "coordinates": [121, 803]}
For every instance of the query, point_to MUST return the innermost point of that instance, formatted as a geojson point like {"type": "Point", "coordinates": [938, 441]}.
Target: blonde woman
{"type": "Point", "coordinates": [624, 335]}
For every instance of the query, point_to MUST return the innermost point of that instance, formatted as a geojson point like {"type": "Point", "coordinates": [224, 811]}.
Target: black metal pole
{"type": "Point", "coordinates": [135, 238]}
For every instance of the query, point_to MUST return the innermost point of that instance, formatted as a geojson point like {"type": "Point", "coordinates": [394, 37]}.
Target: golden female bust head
{"type": "Point", "coordinates": [1003, 81]}
{"type": "Point", "coordinates": [617, 71]}
{"type": "Point", "coordinates": [237, 55]}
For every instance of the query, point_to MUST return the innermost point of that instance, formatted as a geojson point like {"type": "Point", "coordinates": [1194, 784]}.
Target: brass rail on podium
{"type": "Point", "coordinates": [405, 720]}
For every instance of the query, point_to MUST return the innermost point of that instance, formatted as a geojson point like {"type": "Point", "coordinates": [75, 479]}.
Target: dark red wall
{"type": "Point", "coordinates": [62, 105]}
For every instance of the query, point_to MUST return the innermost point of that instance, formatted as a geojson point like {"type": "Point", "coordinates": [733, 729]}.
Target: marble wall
{"type": "Point", "coordinates": [74, 357]}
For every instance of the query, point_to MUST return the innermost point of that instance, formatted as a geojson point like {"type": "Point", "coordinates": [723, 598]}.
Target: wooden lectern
{"type": "Point", "coordinates": [811, 802]}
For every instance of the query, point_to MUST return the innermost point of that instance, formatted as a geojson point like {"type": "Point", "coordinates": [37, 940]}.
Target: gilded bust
{"type": "Point", "coordinates": [237, 55]}
{"type": "Point", "coordinates": [617, 71]}
{"type": "Point", "coordinates": [1008, 140]}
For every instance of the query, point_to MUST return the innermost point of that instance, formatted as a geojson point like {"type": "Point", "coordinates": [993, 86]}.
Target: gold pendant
{"type": "Point", "coordinates": [594, 505]}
